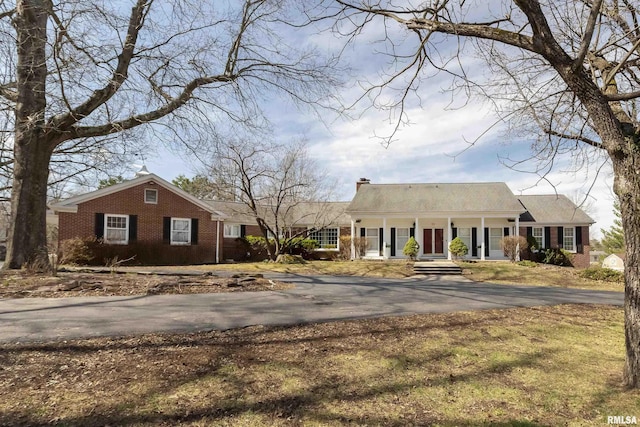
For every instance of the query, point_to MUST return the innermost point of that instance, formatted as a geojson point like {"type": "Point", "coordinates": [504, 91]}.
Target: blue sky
{"type": "Point", "coordinates": [433, 148]}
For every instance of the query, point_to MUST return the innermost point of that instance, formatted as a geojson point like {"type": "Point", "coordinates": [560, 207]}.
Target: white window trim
{"type": "Point", "coordinates": [491, 229]}
{"type": "Point", "coordinates": [188, 242]}
{"type": "Point", "coordinates": [232, 235]}
{"type": "Point", "coordinates": [542, 242]}
{"type": "Point", "coordinates": [564, 236]}
{"type": "Point", "coordinates": [400, 248]}
{"type": "Point", "coordinates": [126, 230]}
{"type": "Point", "coordinates": [337, 239]}
{"type": "Point", "coordinates": [154, 202]}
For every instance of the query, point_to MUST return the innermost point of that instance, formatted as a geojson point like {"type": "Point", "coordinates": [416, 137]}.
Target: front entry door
{"type": "Point", "coordinates": [439, 241]}
{"type": "Point", "coordinates": [427, 239]}
{"type": "Point", "coordinates": [433, 241]}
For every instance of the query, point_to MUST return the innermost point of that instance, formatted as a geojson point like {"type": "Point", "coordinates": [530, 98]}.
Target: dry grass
{"type": "Point", "coordinates": [542, 275]}
{"type": "Point", "coordinates": [391, 269]}
{"type": "Point", "coordinates": [517, 367]}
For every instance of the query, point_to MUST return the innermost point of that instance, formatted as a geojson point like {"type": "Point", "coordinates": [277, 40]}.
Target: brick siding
{"type": "Point", "coordinates": [150, 222]}
{"type": "Point", "coordinates": [581, 257]}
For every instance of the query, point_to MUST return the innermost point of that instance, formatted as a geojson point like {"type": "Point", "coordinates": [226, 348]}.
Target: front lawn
{"type": "Point", "coordinates": [503, 272]}
{"type": "Point", "coordinates": [517, 367]}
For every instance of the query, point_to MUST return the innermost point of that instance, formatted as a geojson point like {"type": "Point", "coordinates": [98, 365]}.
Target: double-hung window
{"type": "Point", "coordinates": [402, 237]}
{"type": "Point", "coordinates": [569, 239]}
{"type": "Point", "coordinates": [232, 230]}
{"type": "Point", "coordinates": [538, 234]}
{"type": "Point", "coordinates": [180, 231]}
{"type": "Point", "coordinates": [495, 237]}
{"type": "Point", "coordinates": [116, 229]}
{"type": "Point", "coordinates": [327, 238]}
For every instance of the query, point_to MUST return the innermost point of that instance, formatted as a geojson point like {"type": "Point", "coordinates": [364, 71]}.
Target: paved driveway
{"type": "Point", "coordinates": [320, 298]}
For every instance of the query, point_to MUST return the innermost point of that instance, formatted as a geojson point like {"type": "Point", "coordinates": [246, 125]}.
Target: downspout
{"type": "Point", "coordinates": [218, 241]}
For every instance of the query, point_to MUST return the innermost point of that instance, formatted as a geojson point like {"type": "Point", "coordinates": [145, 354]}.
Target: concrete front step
{"type": "Point", "coordinates": [436, 267]}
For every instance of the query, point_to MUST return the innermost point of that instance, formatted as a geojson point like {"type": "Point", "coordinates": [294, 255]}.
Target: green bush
{"type": "Point", "coordinates": [411, 248]}
{"type": "Point", "coordinates": [557, 256]}
{"type": "Point", "coordinates": [458, 247]}
{"type": "Point", "coordinates": [532, 243]}
{"type": "Point", "coordinates": [602, 274]}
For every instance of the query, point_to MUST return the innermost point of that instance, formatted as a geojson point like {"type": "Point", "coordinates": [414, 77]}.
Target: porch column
{"type": "Point", "coordinates": [482, 242]}
{"type": "Point", "coordinates": [385, 237]}
{"type": "Point", "coordinates": [418, 237]}
{"type": "Point", "coordinates": [517, 234]}
{"type": "Point", "coordinates": [449, 234]}
{"type": "Point", "coordinates": [353, 245]}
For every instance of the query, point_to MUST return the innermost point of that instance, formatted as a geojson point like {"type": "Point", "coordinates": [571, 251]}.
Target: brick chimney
{"type": "Point", "coordinates": [361, 182]}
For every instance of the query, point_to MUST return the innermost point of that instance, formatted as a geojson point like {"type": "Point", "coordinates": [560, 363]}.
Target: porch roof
{"type": "Point", "coordinates": [434, 198]}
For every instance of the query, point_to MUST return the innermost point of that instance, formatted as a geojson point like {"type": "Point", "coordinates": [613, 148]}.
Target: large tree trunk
{"type": "Point", "coordinates": [27, 245]}
{"type": "Point", "coordinates": [627, 188]}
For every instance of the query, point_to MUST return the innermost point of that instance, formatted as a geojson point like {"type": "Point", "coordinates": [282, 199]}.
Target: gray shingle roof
{"type": "Point", "coordinates": [302, 214]}
{"type": "Point", "coordinates": [552, 209]}
{"type": "Point", "coordinates": [433, 198]}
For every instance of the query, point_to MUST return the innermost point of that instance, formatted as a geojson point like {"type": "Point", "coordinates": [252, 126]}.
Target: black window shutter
{"type": "Point", "coordinates": [133, 228]}
{"type": "Point", "coordinates": [474, 241]}
{"type": "Point", "coordinates": [363, 232]}
{"type": "Point", "coordinates": [393, 241]}
{"type": "Point", "coordinates": [243, 230]}
{"type": "Point", "coordinates": [99, 225]}
{"type": "Point", "coordinates": [381, 241]}
{"type": "Point", "coordinates": [529, 231]}
{"type": "Point", "coordinates": [166, 229]}
{"type": "Point", "coordinates": [506, 232]}
{"type": "Point", "coordinates": [560, 236]}
{"type": "Point", "coordinates": [486, 241]}
{"type": "Point", "coordinates": [412, 232]}
{"type": "Point", "coordinates": [454, 233]}
{"type": "Point", "coordinates": [579, 246]}
{"type": "Point", "coordinates": [547, 237]}
{"type": "Point", "coordinates": [194, 231]}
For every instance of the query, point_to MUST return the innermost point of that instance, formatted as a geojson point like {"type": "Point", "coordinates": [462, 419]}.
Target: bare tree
{"type": "Point", "coordinates": [570, 68]}
{"type": "Point", "coordinates": [283, 188]}
{"type": "Point", "coordinates": [75, 74]}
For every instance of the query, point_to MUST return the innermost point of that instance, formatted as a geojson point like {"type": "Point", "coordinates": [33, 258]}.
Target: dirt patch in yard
{"type": "Point", "coordinates": [75, 284]}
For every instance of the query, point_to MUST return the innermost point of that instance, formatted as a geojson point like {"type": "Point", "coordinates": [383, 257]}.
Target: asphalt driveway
{"type": "Point", "coordinates": [315, 299]}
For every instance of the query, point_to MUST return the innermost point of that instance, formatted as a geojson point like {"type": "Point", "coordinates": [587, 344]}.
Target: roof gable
{"type": "Point", "coordinates": [71, 204]}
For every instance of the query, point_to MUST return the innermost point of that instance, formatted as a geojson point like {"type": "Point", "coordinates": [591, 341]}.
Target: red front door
{"type": "Point", "coordinates": [427, 234]}
{"type": "Point", "coordinates": [433, 241]}
{"type": "Point", "coordinates": [439, 241]}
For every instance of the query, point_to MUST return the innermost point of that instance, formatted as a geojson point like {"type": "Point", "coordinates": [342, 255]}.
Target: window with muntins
{"type": "Point", "coordinates": [569, 239]}
{"type": "Point", "coordinates": [465, 235]}
{"type": "Point", "coordinates": [495, 236]}
{"type": "Point", "coordinates": [538, 234]}
{"type": "Point", "coordinates": [231, 230]}
{"type": "Point", "coordinates": [327, 238]}
{"type": "Point", "coordinates": [116, 229]}
{"type": "Point", "coordinates": [180, 231]}
{"type": "Point", "coordinates": [402, 237]}
{"type": "Point", "coordinates": [150, 195]}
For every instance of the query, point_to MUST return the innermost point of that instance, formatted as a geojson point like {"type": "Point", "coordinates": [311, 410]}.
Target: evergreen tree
{"type": "Point", "coordinates": [613, 238]}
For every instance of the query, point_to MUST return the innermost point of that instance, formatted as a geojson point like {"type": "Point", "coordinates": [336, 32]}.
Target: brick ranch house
{"type": "Point", "coordinates": [159, 223]}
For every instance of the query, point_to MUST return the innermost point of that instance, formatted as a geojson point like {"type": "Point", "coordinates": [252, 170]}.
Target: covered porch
{"type": "Point", "coordinates": [386, 236]}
